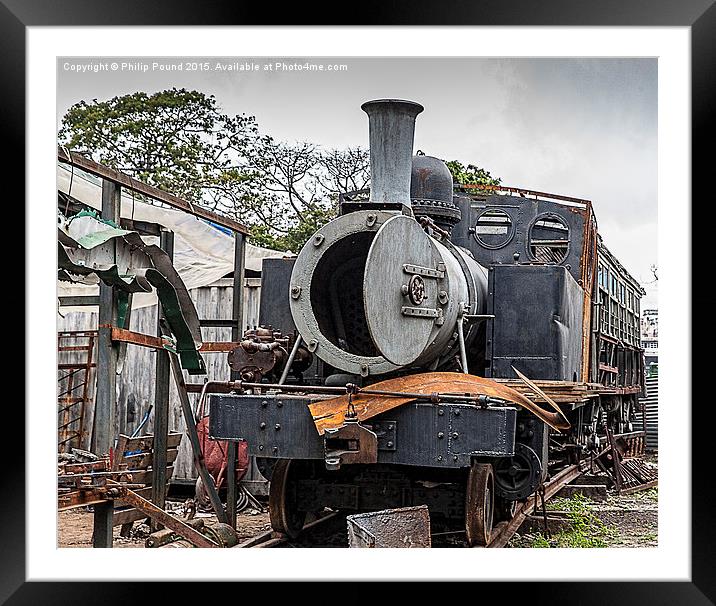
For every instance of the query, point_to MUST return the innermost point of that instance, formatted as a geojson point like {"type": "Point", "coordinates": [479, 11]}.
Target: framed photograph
{"type": "Point", "coordinates": [568, 136]}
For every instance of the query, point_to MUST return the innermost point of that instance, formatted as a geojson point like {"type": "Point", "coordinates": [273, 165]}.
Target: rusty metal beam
{"type": "Point", "coordinates": [551, 488]}
{"type": "Point", "coordinates": [137, 338]}
{"type": "Point", "coordinates": [165, 519]}
{"type": "Point", "coordinates": [640, 487]}
{"type": "Point", "coordinates": [218, 346]}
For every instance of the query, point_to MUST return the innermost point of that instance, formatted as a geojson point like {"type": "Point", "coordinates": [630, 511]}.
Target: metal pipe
{"type": "Point", "coordinates": [199, 412]}
{"type": "Point", "coordinates": [479, 399]}
{"type": "Point", "coordinates": [135, 433]}
{"type": "Point", "coordinates": [391, 124]}
{"type": "Point", "coordinates": [292, 355]}
{"type": "Point", "coordinates": [461, 340]}
{"type": "Point", "coordinates": [237, 309]}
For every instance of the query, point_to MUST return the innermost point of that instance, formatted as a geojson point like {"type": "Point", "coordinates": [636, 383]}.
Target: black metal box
{"type": "Point", "coordinates": [537, 326]}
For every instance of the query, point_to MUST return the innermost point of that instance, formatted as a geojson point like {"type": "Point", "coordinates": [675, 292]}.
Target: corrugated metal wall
{"type": "Point", "coordinates": [651, 412]}
{"type": "Point", "coordinates": [136, 382]}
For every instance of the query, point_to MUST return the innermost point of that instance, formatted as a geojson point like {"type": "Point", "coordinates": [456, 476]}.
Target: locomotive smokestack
{"type": "Point", "coordinates": [392, 129]}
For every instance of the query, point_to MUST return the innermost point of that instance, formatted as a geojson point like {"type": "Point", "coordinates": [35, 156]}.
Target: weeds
{"type": "Point", "coordinates": [650, 494]}
{"type": "Point", "coordinates": [586, 530]}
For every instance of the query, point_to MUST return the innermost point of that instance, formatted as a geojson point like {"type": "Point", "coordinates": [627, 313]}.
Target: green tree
{"type": "Point", "coordinates": [292, 189]}
{"type": "Point", "coordinates": [177, 140]}
{"type": "Point", "coordinates": [181, 141]}
{"type": "Point", "coordinates": [471, 174]}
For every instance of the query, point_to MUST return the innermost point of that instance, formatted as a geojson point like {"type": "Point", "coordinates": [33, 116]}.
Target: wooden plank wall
{"type": "Point", "coordinates": [136, 382]}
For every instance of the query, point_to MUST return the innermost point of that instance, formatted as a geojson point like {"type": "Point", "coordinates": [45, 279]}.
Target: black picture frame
{"type": "Point", "coordinates": [699, 15]}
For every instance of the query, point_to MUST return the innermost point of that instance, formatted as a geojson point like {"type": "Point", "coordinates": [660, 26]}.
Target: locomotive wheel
{"type": "Point", "coordinates": [479, 504]}
{"type": "Point", "coordinates": [517, 477]}
{"type": "Point", "coordinates": [283, 513]}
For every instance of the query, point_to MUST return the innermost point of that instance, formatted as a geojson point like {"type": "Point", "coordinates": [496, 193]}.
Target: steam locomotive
{"type": "Point", "coordinates": [433, 345]}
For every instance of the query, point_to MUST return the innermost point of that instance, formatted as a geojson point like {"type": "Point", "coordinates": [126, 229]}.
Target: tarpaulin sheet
{"type": "Point", "coordinates": [203, 253]}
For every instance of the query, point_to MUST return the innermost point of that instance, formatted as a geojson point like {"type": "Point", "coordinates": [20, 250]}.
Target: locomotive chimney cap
{"type": "Point", "coordinates": [411, 106]}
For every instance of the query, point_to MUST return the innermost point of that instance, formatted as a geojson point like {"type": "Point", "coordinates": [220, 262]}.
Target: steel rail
{"type": "Point", "coordinates": [271, 538]}
{"type": "Point", "coordinates": [506, 531]}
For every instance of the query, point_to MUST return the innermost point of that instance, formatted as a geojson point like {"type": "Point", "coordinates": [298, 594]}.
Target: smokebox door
{"type": "Point", "coordinates": [400, 290]}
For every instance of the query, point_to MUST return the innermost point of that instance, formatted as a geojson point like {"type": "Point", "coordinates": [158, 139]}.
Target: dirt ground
{"type": "Point", "coordinates": [75, 527]}
{"type": "Point", "coordinates": [619, 521]}
{"type": "Point", "coordinates": [632, 519]}
{"type": "Point", "coordinates": [635, 518]}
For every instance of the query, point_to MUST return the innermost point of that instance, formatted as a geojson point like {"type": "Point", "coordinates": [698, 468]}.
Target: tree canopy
{"type": "Point", "coordinates": [181, 141]}
{"type": "Point", "coordinates": [176, 140]}
{"type": "Point", "coordinates": [471, 174]}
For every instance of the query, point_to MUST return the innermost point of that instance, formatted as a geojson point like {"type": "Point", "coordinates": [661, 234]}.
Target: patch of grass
{"type": "Point", "coordinates": [575, 502]}
{"type": "Point", "coordinates": [650, 494]}
{"type": "Point", "coordinates": [539, 541]}
{"type": "Point", "coordinates": [651, 536]}
{"type": "Point", "coordinates": [586, 530]}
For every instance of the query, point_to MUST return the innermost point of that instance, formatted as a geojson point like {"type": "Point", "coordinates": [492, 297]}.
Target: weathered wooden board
{"type": "Point", "coordinates": [144, 476]}
{"type": "Point", "coordinates": [144, 460]}
{"type": "Point", "coordinates": [146, 443]}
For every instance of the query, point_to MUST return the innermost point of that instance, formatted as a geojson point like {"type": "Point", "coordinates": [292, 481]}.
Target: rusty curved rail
{"type": "Point", "coordinates": [330, 413]}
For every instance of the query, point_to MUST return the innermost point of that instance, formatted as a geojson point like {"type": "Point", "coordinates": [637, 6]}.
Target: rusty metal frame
{"type": "Point", "coordinates": [162, 517]}
{"type": "Point", "coordinates": [123, 335]}
{"type": "Point", "coordinates": [66, 400]}
{"type": "Point", "coordinates": [521, 191]}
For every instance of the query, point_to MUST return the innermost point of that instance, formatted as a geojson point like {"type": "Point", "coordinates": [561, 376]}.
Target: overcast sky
{"type": "Point", "coordinates": [579, 127]}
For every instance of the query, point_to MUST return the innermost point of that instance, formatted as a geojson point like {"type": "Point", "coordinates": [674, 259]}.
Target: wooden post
{"type": "Point", "coordinates": [105, 402]}
{"type": "Point", "coordinates": [237, 330]}
{"type": "Point", "coordinates": [161, 401]}
{"type": "Point", "coordinates": [615, 461]}
{"type": "Point", "coordinates": [231, 487]}
{"type": "Point", "coordinates": [102, 524]}
{"type": "Point", "coordinates": [237, 315]}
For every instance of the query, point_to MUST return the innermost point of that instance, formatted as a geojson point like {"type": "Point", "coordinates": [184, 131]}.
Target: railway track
{"type": "Point", "coordinates": [314, 534]}
{"type": "Point", "coordinates": [330, 530]}
{"type": "Point", "coordinates": [504, 531]}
